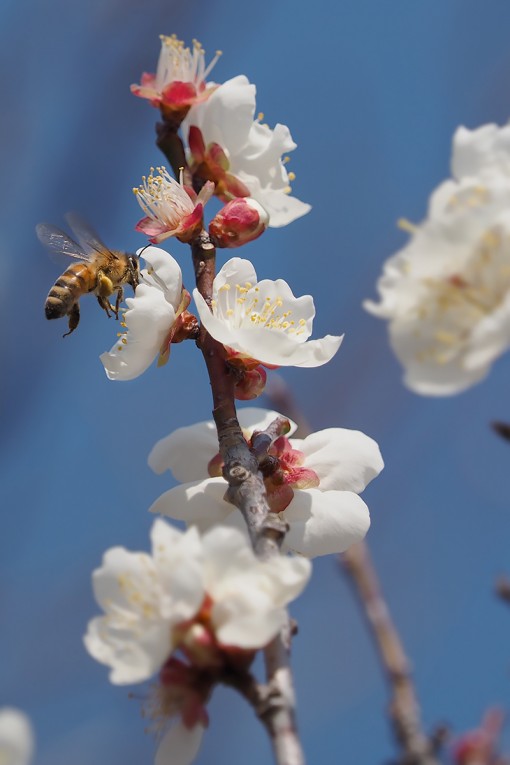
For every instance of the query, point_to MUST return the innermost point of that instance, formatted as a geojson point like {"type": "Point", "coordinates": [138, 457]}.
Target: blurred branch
{"type": "Point", "coordinates": [502, 429]}
{"type": "Point", "coordinates": [503, 589]}
{"type": "Point", "coordinates": [404, 710]}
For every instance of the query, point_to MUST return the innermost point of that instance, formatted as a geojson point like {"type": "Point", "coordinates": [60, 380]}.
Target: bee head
{"type": "Point", "coordinates": [134, 271]}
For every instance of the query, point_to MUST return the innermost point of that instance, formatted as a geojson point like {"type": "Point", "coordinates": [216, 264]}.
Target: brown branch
{"type": "Point", "coordinates": [404, 709]}
{"type": "Point", "coordinates": [246, 491]}
{"type": "Point", "coordinates": [170, 143]}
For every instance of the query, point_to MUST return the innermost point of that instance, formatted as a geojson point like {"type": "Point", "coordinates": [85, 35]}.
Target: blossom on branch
{"type": "Point", "coordinates": [314, 482]}
{"type": "Point", "coordinates": [154, 315]}
{"type": "Point", "coordinates": [263, 321]}
{"type": "Point", "coordinates": [241, 155]}
{"type": "Point", "coordinates": [16, 737]}
{"type": "Point", "coordinates": [203, 595]}
{"type": "Point", "coordinates": [180, 79]}
{"type": "Point", "coordinates": [168, 207]}
{"type": "Point", "coordinates": [446, 294]}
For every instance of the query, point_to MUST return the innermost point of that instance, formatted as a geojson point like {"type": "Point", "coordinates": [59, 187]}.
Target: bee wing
{"type": "Point", "coordinates": [86, 236]}
{"type": "Point", "coordinates": [57, 242]}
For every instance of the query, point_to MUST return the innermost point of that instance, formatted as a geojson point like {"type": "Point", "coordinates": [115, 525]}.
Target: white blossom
{"type": "Point", "coordinates": [16, 737]}
{"type": "Point", "coordinates": [252, 149]}
{"type": "Point", "coordinates": [150, 600]}
{"type": "Point", "coordinates": [446, 294]}
{"type": "Point", "coordinates": [150, 317]}
{"type": "Point", "coordinates": [263, 320]}
{"type": "Point", "coordinates": [324, 519]}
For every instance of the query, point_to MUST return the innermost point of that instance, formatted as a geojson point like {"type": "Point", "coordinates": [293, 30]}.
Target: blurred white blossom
{"type": "Point", "coordinates": [446, 294]}
{"type": "Point", "coordinates": [200, 594]}
{"type": "Point", "coordinates": [263, 320]}
{"type": "Point", "coordinates": [243, 155]}
{"type": "Point", "coordinates": [318, 483]}
{"type": "Point", "coordinates": [16, 737]}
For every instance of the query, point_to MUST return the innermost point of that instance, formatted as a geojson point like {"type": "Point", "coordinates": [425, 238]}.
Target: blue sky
{"type": "Point", "coordinates": [372, 91]}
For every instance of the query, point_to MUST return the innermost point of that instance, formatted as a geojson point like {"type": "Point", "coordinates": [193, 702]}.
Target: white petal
{"type": "Point", "coordinates": [199, 503]}
{"type": "Point", "coordinates": [344, 460]}
{"type": "Point", "coordinates": [234, 271]}
{"type": "Point", "coordinates": [149, 320]}
{"type": "Point", "coordinates": [16, 737]}
{"type": "Point", "coordinates": [167, 273]}
{"type": "Point", "coordinates": [480, 151]}
{"type": "Point", "coordinates": [226, 116]}
{"type": "Point", "coordinates": [325, 522]}
{"type": "Point", "coordinates": [178, 557]}
{"type": "Point", "coordinates": [251, 418]}
{"type": "Point", "coordinates": [134, 651]}
{"type": "Point", "coordinates": [179, 745]}
{"type": "Point", "coordinates": [186, 452]}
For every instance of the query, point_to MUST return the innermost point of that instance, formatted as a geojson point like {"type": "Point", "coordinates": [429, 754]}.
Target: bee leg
{"type": "Point", "coordinates": [118, 301]}
{"type": "Point", "coordinates": [105, 305]}
{"type": "Point", "coordinates": [74, 319]}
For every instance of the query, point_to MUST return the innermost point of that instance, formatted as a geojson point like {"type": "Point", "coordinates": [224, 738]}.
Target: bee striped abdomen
{"type": "Point", "coordinates": [68, 288]}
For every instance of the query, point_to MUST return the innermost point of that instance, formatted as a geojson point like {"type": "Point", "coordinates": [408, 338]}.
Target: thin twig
{"type": "Point", "coordinates": [404, 710]}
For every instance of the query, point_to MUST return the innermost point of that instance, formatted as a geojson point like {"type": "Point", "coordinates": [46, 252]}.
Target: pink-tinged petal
{"type": "Point", "coordinates": [149, 93]}
{"type": "Point", "coordinates": [235, 187]}
{"type": "Point", "coordinates": [179, 94]}
{"type": "Point", "coordinates": [179, 745]}
{"type": "Point", "coordinates": [217, 156]}
{"type": "Point", "coordinates": [148, 80]}
{"type": "Point", "coordinates": [325, 522]}
{"type": "Point", "coordinates": [150, 227]}
{"type": "Point", "coordinates": [196, 143]}
{"type": "Point", "coordinates": [190, 222]}
{"type": "Point", "coordinates": [206, 192]}
{"type": "Point", "coordinates": [344, 460]}
{"type": "Point", "coordinates": [303, 478]}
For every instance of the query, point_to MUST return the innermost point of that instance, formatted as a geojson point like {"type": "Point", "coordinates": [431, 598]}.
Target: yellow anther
{"type": "Point", "coordinates": [292, 176]}
{"type": "Point", "coordinates": [406, 225]}
{"type": "Point", "coordinates": [230, 312]}
{"type": "Point", "coordinates": [124, 341]}
{"type": "Point", "coordinates": [287, 190]}
{"type": "Point", "coordinates": [260, 116]}
{"type": "Point", "coordinates": [285, 160]}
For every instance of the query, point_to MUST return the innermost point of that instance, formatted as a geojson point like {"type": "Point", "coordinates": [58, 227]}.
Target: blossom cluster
{"type": "Point", "coordinates": [201, 604]}
{"type": "Point", "coordinates": [446, 294]}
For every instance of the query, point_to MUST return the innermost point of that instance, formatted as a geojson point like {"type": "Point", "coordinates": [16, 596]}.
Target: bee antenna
{"type": "Point", "coordinates": [143, 248]}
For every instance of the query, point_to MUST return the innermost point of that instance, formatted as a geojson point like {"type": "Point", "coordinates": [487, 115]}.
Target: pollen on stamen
{"type": "Point", "coordinates": [292, 176]}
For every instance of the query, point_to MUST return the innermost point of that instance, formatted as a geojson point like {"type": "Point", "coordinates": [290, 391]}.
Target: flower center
{"type": "Point", "coordinates": [457, 303]}
{"type": "Point", "coordinates": [176, 62]}
{"type": "Point", "coordinates": [162, 198]}
{"type": "Point", "coordinates": [242, 307]}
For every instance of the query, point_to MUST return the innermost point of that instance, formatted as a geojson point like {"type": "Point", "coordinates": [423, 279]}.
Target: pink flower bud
{"type": "Point", "coordinates": [251, 385]}
{"type": "Point", "coordinates": [240, 221]}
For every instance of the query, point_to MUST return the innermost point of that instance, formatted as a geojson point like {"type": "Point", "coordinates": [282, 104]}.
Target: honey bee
{"type": "Point", "coordinates": [101, 271]}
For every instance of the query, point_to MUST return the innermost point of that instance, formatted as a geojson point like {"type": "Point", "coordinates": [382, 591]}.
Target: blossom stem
{"type": "Point", "coordinates": [169, 142]}
{"type": "Point", "coordinates": [246, 491]}
{"type": "Point", "coordinates": [404, 710]}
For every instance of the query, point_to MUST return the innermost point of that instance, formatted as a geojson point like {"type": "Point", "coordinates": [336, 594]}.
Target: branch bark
{"type": "Point", "coordinates": [247, 492]}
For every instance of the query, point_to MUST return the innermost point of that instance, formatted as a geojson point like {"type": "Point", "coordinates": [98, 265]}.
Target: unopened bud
{"type": "Point", "coordinates": [251, 385]}
{"type": "Point", "coordinates": [241, 221]}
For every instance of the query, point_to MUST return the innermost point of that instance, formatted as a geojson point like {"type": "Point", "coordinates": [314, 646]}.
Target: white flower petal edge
{"type": "Point", "coordinates": [321, 522]}
{"type": "Point", "coordinates": [149, 318]}
{"type": "Point", "coordinates": [344, 460]}
{"type": "Point", "coordinates": [179, 745]}
{"type": "Point", "coordinates": [254, 150]}
{"type": "Point", "coordinates": [263, 320]}
{"type": "Point", "coordinates": [482, 151]}
{"type": "Point", "coordinates": [325, 522]}
{"type": "Point", "coordinates": [16, 737]}
{"type": "Point", "coordinates": [187, 451]}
